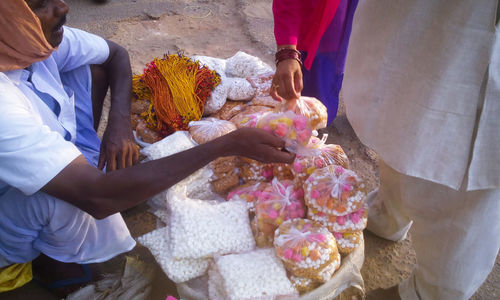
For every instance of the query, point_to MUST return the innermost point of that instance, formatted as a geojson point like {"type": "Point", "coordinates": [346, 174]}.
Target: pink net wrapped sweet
{"type": "Point", "coordinates": [334, 190]}
{"type": "Point", "coordinates": [306, 248]}
{"type": "Point", "coordinates": [316, 155]}
{"type": "Point", "coordinates": [279, 201]}
{"type": "Point", "coordinates": [294, 129]}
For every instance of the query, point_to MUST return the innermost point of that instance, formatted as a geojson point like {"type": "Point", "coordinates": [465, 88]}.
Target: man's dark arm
{"type": "Point", "coordinates": [102, 194]}
{"type": "Point", "coordinates": [118, 148]}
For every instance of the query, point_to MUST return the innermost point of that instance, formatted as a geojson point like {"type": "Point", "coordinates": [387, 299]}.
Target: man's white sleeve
{"type": "Point", "coordinates": [30, 153]}
{"type": "Point", "coordinates": [79, 48]}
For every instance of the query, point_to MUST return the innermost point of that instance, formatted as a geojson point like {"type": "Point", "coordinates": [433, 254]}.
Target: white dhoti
{"type": "Point", "coordinates": [30, 225]}
{"type": "Point", "coordinates": [456, 234]}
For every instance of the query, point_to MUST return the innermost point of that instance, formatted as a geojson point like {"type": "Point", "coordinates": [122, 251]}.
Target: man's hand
{"type": "Point", "coordinates": [257, 144]}
{"type": "Point", "coordinates": [287, 81]}
{"type": "Point", "coordinates": [118, 147]}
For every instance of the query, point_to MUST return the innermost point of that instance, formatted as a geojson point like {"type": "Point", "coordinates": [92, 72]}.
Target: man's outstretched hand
{"type": "Point", "coordinates": [257, 144]}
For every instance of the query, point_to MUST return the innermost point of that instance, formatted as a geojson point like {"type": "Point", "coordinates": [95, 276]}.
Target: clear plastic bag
{"type": "Point", "coordinates": [294, 129]}
{"type": "Point", "coordinates": [316, 155]}
{"type": "Point", "coordinates": [355, 221]}
{"type": "Point", "coordinates": [306, 248]}
{"type": "Point", "coordinates": [314, 110]}
{"type": "Point", "coordinates": [277, 202]}
{"type": "Point", "coordinates": [257, 274]}
{"type": "Point", "coordinates": [247, 192]}
{"type": "Point", "coordinates": [335, 190]}
{"type": "Point", "coordinates": [208, 129]}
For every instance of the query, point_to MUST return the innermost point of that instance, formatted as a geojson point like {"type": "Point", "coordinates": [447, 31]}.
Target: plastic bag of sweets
{"type": "Point", "coordinates": [305, 248]}
{"type": "Point", "coordinates": [208, 129]}
{"type": "Point", "coordinates": [304, 285]}
{"type": "Point", "coordinates": [355, 221]}
{"type": "Point", "coordinates": [294, 129]}
{"type": "Point", "coordinates": [347, 242]}
{"type": "Point", "coordinates": [246, 192]}
{"type": "Point", "coordinates": [252, 171]}
{"type": "Point", "coordinates": [249, 116]}
{"type": "Point", "coordinates": [283, 171]}
{"type": "Point", "coordinates": [334, 190]}
{"type": "Point", "coordinates": [317, 155]}
{"type": "Point", "coordinates": [312, 109]}
{"type": "Point", "coordinates": [278, 202]}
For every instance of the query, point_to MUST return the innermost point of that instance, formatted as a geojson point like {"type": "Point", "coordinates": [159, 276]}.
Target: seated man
{"type": "Point", "coordinates": [54, 199]}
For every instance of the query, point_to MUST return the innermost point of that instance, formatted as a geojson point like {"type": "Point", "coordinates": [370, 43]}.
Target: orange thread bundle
{"type": "Point", "coordinates": [177, 88]}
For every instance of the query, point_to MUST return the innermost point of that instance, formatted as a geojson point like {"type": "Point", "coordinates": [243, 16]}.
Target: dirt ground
{"type": "Point", "coordinates": [219, 28]}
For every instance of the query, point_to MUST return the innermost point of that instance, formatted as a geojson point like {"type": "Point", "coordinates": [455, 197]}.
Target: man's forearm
{"type": "Point", "coordinates": [102, 194]}
{"type": "Point", "coordinates": [119, 74]}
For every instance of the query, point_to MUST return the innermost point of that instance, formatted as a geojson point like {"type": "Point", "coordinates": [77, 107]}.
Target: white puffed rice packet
{"type": "Point", "coordinates": [197, 184]}
{"type": "Point", "coordinates": [240, 89]}
{"type": "Point", "coordinates": [254, 275]}
{"type": "Point", "coordinates": [218, 97]}
{"type": "Point", "coordinates": [213, 63]}
{"type": "Point", "coordinates": [245, 65]}
{"type": "Point", "coordinates": [178, 270]}
{"type": "Point", "coordinates": [204, 228]}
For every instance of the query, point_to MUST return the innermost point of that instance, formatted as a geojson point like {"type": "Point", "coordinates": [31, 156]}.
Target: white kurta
{"type": "Point", "coordinates": [422, 78]}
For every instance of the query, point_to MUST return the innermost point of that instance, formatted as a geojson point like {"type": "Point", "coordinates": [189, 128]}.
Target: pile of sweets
{"type": "Point", "coordinates": [178, 270]}
{"type": "Point", "coordinates": [258, 274]}
{"type": "Point", "coordinates": [201, 229]}
{"type": "Point", "coordinates": [336, 198]}
{"type": "Point", "coordinates": [276, 203]}
{"type": "Point", "coordinates": [307, 249]}
{"type": "Point", "coordinates": [316, 155]}
{"type": "Point", "coordinates": [318, 186]}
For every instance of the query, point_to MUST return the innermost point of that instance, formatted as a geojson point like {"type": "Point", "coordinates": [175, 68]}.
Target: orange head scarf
{"type": "Point", "coordinates": [22, 41]}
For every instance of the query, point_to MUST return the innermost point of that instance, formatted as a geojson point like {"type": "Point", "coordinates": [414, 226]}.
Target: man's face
{"type": "Point", "coordinates": [52, 15]}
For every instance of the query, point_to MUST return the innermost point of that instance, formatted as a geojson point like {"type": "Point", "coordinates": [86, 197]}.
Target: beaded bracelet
{"type": "Point", "coordinates": [288, 53]}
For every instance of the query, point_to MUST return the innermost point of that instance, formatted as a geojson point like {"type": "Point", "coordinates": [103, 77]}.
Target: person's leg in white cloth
{"type": "Point", "coordinates": [456, 234]}
{"type": "Point", "coordinates": [43, 224]}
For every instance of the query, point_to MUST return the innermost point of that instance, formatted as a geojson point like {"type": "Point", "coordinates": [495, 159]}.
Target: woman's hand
{"type": "Point", "coordinates": [287, 81]}
{"type": "Point", "coordinates": [257, 144]}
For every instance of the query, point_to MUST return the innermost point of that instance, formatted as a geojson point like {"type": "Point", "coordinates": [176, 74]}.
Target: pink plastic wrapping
{"type": "Point", "coordinates": [316, 155]}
